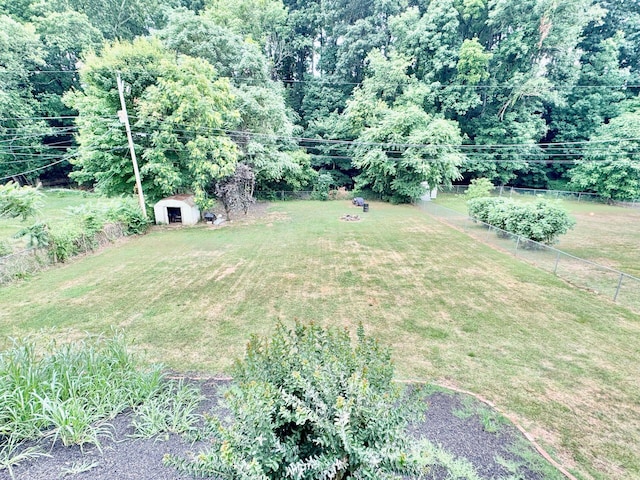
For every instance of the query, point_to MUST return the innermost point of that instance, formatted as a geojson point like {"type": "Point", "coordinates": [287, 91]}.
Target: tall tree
{"type": "Point", "coordinates": [21, 132]}
{"type": "Point", "coordinates": [114, 18]}
{"type": "Point", "coordinates": [399, 146]}
{"type": "Point", "coordinates": [611, 165]}
{"type": "Point", "coordinates": [181, 113]}
{"type": "Point", "coordinates": [265, 127]}
{"type": "Point", "coordinates": [185, 115]}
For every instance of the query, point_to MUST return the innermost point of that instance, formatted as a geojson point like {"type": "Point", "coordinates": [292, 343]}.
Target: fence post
{"type": "Point", "coordinates": [555, 267]}
{"type": "Point", "coordinates": [517, 245]}
{"type": "Point", "coordinates": [615, 297]}
{"type": "Point", "coordinates": [579, 196]}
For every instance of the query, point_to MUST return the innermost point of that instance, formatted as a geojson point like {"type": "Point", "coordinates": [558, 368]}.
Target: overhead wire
{"type": "Point", "coordinates": [35, 169]}
{"type": "Point", "coordinates": [318, 80]}
{"type": "Point", "coordinates": [299, 138]}
{"type": "Point", "coordinates": [65, 158]}
{"type": "Point", "coordinates": [501, 153]}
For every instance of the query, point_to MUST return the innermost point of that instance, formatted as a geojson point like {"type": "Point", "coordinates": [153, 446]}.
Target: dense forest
{"type": "Point", "coordinates": [375, 95]}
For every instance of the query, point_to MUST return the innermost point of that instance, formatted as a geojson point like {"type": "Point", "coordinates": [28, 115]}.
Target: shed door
{"type": "Point", "coordinates": [174, 214]}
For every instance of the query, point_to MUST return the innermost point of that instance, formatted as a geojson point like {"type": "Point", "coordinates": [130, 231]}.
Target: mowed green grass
{"type": "Point", "coordinates": [605, 234]}
{"type": "Point", "coordinates": [561, 361]}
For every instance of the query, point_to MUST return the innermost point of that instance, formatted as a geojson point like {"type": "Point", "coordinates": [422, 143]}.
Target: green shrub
{"type": "Point", "coordinates": [499, 213]}
{"type": "Point", "coordinates": [479, 187]}
{"type": "Point", "coordinates": [38, 234]}
{"type": "Point", "coordinates": [480, 208]}
{"type": "Point", "coordinates": [309, 405]}
{"type": "Point", "coordinates": [130, 215]}
{"type": "Point", "coordinates": [542, 221]}
{"type": "Point", "coordinates": [17, 201]}
{"type": "Point", "coordinates": [64, 243]}
{"type": "Point", "coordinates": [322, 186]}
{"type": "Point", "coordinates": [90, 219]}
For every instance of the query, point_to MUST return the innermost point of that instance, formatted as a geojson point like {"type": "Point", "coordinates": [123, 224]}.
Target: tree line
{"type": "Point", "coordinates": [374, 95]}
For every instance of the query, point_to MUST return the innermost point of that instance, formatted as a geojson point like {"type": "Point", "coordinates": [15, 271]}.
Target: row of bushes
{"type": "Point", "coordinates": [86, 229]}
{"type": "Point", "coordinates": [541, 221]}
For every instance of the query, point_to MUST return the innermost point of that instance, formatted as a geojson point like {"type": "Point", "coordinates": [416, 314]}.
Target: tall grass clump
{"type": "Point", "coordinates": [172, 410]}
{"type": "Point", "coordinates": [67, 392]}
{"type": "Point", "coordinates": [309, 405]}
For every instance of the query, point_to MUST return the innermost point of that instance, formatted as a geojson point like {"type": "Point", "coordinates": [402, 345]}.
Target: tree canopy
{"type": "Point", "coordinates": [520, 92]}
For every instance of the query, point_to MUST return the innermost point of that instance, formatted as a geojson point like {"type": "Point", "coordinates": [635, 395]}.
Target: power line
{"type": "Point", "coordinates": [399, 145]}
{"type": "Point", "coordinates": [60, 117]}
{"type": "Point", "coordinates": [406, 145]}
{"type": "Point", "coordinates": [48, 127]}
{"type": "Point", "coordinates": [34, 135]}
{"type": "Point", "coordinates": [319, 80]}
{"type": "Point", "coordinates": [35, 169]}
{"type": "Point", "coordinates": [32, 158]}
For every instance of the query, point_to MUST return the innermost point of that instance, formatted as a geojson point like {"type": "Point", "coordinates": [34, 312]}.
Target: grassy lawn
{"type": "Point", "coordinates": [605, 234]}
{"type": "Point", "coordinates": [562, 361]}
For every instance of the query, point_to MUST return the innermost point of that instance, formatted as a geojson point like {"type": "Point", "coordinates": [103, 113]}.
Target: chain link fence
{"type": "Point", "coordinates": [22, 264]}
{"type": "Point", "coordinates": [618, 286]}
{"type": "Point", "coordinates": [505, 191]}
{"type": "Point", "coordinates": [284, 195]}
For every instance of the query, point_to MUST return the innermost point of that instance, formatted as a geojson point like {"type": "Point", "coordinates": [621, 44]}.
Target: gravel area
{"type": "Point", "coordinates": [452, 422]}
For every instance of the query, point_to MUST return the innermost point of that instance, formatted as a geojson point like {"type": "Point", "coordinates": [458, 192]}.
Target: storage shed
{"type": "Point", "coordinates": [177, 209]}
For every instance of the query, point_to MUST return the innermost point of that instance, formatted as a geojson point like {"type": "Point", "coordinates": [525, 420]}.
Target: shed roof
{"type": "Point", "coordinates": [183, 197]}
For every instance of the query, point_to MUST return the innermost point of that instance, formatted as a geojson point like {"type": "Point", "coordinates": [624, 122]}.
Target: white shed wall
{"type": "Point", "coordinates": [190, 214]}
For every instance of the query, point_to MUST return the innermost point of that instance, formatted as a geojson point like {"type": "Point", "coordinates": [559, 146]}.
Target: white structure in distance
{"type": "Point", "coordinates": [177, 209]}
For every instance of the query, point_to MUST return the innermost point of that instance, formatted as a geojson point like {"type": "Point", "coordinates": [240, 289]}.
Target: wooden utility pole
{"type": "Point", "coordinates": [124, 118]}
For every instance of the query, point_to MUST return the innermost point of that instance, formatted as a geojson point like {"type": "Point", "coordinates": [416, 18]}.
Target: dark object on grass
{"type": "Point", "coordinates": [358, 201]}
{"type": "Point", "coordinates": [209, 217]}
{"type": "Point", "coordinates": [365, 207]}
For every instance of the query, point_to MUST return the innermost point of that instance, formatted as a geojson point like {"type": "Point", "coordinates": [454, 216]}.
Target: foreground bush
{"type": "Point", "coordinates": [309, 405]}
{"type": "Point", "coordinates": [542, 221]}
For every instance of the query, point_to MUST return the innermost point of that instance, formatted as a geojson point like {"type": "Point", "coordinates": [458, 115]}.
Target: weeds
{"type": "Point", "coordinates": [11, 454]}
{"type": "Point", "coordinates": [491, 420]}
{"type": "Point", "coordinates": [78, 467]}
{"type": "Point", "coordinates": [171, 411]}
{"type": "Point", "coordinates": [455, 468]}
{"type": "Point", "coordinates": [526, 461]}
